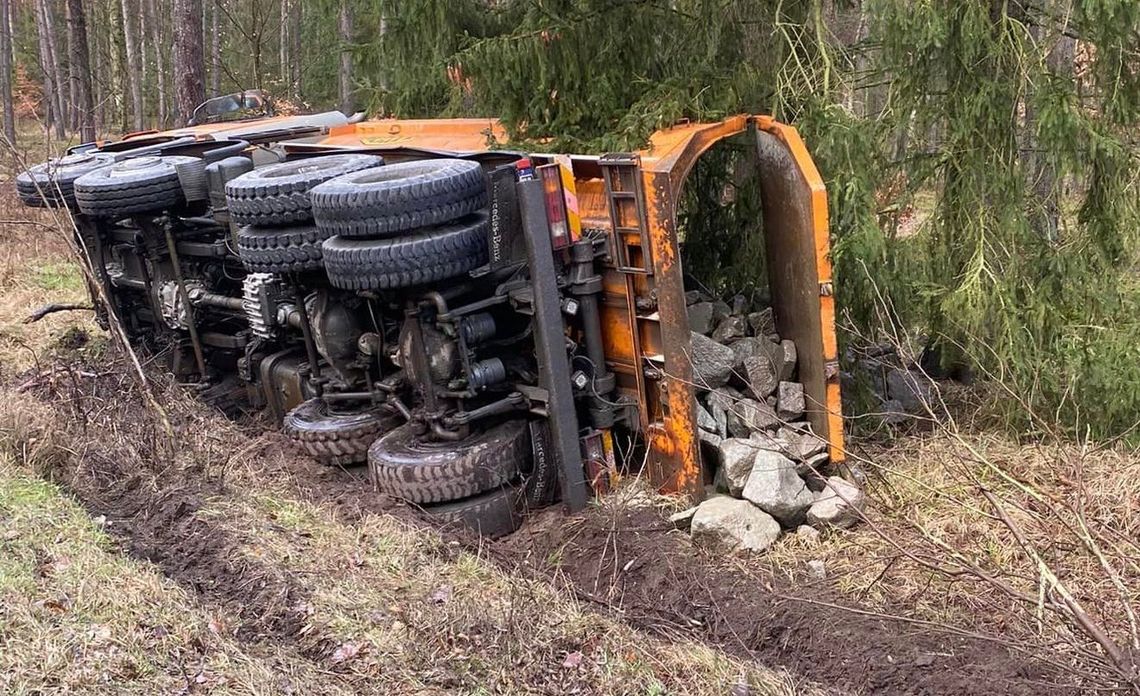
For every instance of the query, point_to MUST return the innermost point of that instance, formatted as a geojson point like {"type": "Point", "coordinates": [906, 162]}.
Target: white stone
{"type": "Point", "coordinates": [712, 362]}
{"type": "Point", "coordinates": [808, 535]}
{"type": "Point", "coordinates": [817, 570]}
{"type": "Point", "coordinates": [730, 524]}
{"type": "Point", "coordinates": [837, 505]}
{"type": "Point", "coordinates": [736, 457]}
{"type": "Point", "coordinates": [776, 488]}
{"type": "Point", "coordinates": [684, 518]}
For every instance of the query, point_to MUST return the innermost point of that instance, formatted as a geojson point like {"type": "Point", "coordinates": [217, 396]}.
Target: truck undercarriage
{"type": "Point", "coordinates": [489, 330]}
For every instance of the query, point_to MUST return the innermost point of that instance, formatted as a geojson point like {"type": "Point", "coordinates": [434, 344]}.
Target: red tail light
{"type": "Point", "coordinates": [555, 205]}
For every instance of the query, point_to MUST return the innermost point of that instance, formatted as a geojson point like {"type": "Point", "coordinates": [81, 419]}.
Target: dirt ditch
{"type": "Point", "coordinates": [628, 563]}
{"type": "Point", "coordinates": [631, 562]}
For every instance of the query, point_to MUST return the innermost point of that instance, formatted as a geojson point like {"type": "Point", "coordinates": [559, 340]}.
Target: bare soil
{"type": "Point", "coordinates": [627, 562]}
{"type": "Point", "coordinates": [633, 563]}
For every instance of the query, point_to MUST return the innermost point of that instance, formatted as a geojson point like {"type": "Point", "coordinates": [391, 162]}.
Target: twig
{"type": "Point", "coordinates": [54, 307]}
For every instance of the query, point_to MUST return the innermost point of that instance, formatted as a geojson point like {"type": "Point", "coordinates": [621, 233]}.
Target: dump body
{"type": "Point", "coordinates": [633, 197]}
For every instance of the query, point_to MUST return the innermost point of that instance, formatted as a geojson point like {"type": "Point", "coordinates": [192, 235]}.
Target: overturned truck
{"type": "Point", "coordinates": [488, 330]}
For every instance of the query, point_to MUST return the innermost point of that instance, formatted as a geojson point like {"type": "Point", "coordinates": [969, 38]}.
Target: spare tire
{"type": "Point", "coordinates": [52, 183]}
{"type": "Point", "coordinates": [417, 259]}
{"type": "Point", "coordinates": [389, 200]}
{"type": "Point", "coordinates": [405, 465]}
{"type": "Point", "coordinates": [335, 438]}
{"type": "Point", "coordinates": [491, 514]}
{"type": "Point", "coordinates": [278, 194]}
{"type": "Point", "coordinates": [280, 249]}
{"type": "Point", "coordinates": [133, 186]}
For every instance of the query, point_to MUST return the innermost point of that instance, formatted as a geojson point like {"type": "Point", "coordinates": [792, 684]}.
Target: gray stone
{"type": "Point", "coordinates": [712, 362]}
{"type": "Point", "coordinates": [711, 439]}
{"type": "Point", "coordinates": [772, 443]}
{"type": "Point", "coordinates": [744, 348]}
{"type": "Point", "coordinates": [692, 297]}
{"type": "Point", "coordinates": [802, 442]}
{"type": "Point", "coordinates": [729, 329]}
{"type": "Point", "coordinates": [759, 375]}
{"type": "Point", "coordinates": [705, 420]}
{"type": "Point", "coordinates": [788, 368]}
{"type": "Point", "coordinates": [813, 464]}
{"type": "Point", "coordinates": [730, 524]}
{"type": "Point", "coordinates": [808, 534]}
{"type": "Point", "coordinates": [720, 310]}
{"type": "Point", "coordinates": [817, 570]}
{"type": "Point", "coordinates": [701, 317]}
{"type": "Point", "coordinates": [739, 305]}
{"type": "Point", "coordinates": [683, 519]}
{"type": "Point", "coordinates": [776, 488]}
{"type": "Point", "coordinates": [748, 415]}
{"type": "Point", "coordinates": [720, 401]}
{"type": "Point", "coordinates": [790, 402]}
{"type": "Point", "coordinates": [736, 458]}
{"type": "Point", "coordinates": [893, 412]}
{"type": "Point", "coordinates": [911, 389]}
{"type": "Point", "coordinates": [762, 323]}
{"type": "Point", "coordinates": [837, 505]}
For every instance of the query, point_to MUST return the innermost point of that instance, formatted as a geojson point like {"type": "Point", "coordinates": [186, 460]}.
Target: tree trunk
{"type": "Point", "coordinates": [53, 69]}
{"type": "Point", "coordinates": [134, 66]}
{"type": "Point", "coordinates": [344, 73]}
{"type": "Point", "coordinates": [80, 71]}
{"type": "Point", "coordinates": [283, 45]}
{"type": "Point", "coordinates": [151, 7]}
{"type": "Point", "coordinates": [6, 73]}
{"type": "Point", "coordinates": [297, 56]}
{"type": "Point", "coordinates": [215, 49]}
{"type": "Point", "coordinates": [47, 65]}
{"type": "Point", "coordinates": [188, 67]}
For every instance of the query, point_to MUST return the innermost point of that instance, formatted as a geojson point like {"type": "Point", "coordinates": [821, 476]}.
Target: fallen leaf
{"type": "Point", "coordinates": [216, 625]}
{"type": "Point", "coordinates": [572, 660]}
{"type": "Point", "coordinates": [347, 651]}
{"type": "Point", "coordinates": [441, 594]}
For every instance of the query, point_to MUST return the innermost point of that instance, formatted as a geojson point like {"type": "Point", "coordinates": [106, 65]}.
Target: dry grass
{"type": "Point", "coordinates": [77, 616]}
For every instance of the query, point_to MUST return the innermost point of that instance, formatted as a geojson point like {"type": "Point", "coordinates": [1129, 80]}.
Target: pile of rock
{"type": "Point", "coordinates": [750, 419]}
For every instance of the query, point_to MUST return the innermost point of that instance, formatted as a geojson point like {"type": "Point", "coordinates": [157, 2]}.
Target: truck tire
{"type": "Point", "coordinates": [406, 465]}
{"type": "Point", "coordinates": [280, 249]}
{"type": "Point", "coordinates": [390, 200]}
{"type": "Point", "coordinates": [540, 474]}
{"type": "Point", "coordinates": [52, 183]}
{"type": "Point", "coordinates": [336, 439]}
{"type": "Point", "coordinates": [278, 194]}
{"type": "Point", "coordinates": [493, 514]}
{"type": "Point", "coordinates": [130, 187]}
{"type": "Point", "coordinates": [417, 259]}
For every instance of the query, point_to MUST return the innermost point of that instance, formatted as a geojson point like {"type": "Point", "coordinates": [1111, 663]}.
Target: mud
{"type": "Point", "coordinates": [630, 565]}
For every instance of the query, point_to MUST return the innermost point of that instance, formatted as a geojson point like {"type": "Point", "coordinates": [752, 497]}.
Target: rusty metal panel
{"type": "Point", "coordinates": [674, 459]}
{"type": "Point", "coordinates": [799, 271]}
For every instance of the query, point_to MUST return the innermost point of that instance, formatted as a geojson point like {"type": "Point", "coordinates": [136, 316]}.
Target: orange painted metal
{"type": "Point", "coordinates": [644, 317]}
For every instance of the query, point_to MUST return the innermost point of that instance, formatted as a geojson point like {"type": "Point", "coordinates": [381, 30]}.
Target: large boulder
{"type": "Point", "coordinates": [729, 524]}
{"type": "Point", "coordinates": [776, 488]}
{"type": "Point", "coordinates": [911, 389]}
{"type": "Point", "coordinates": [837, 505]}
{"type": "Point", "coordinates": [712, 362]}
{"type": "Point", "coordinates": [748, 416]}
{"type": "Point", "coordinates": [744, 348]}
{"type": "Point", "coordinates": [701, 317]}
{"type": "Point", "coordinates": [736, 457]}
